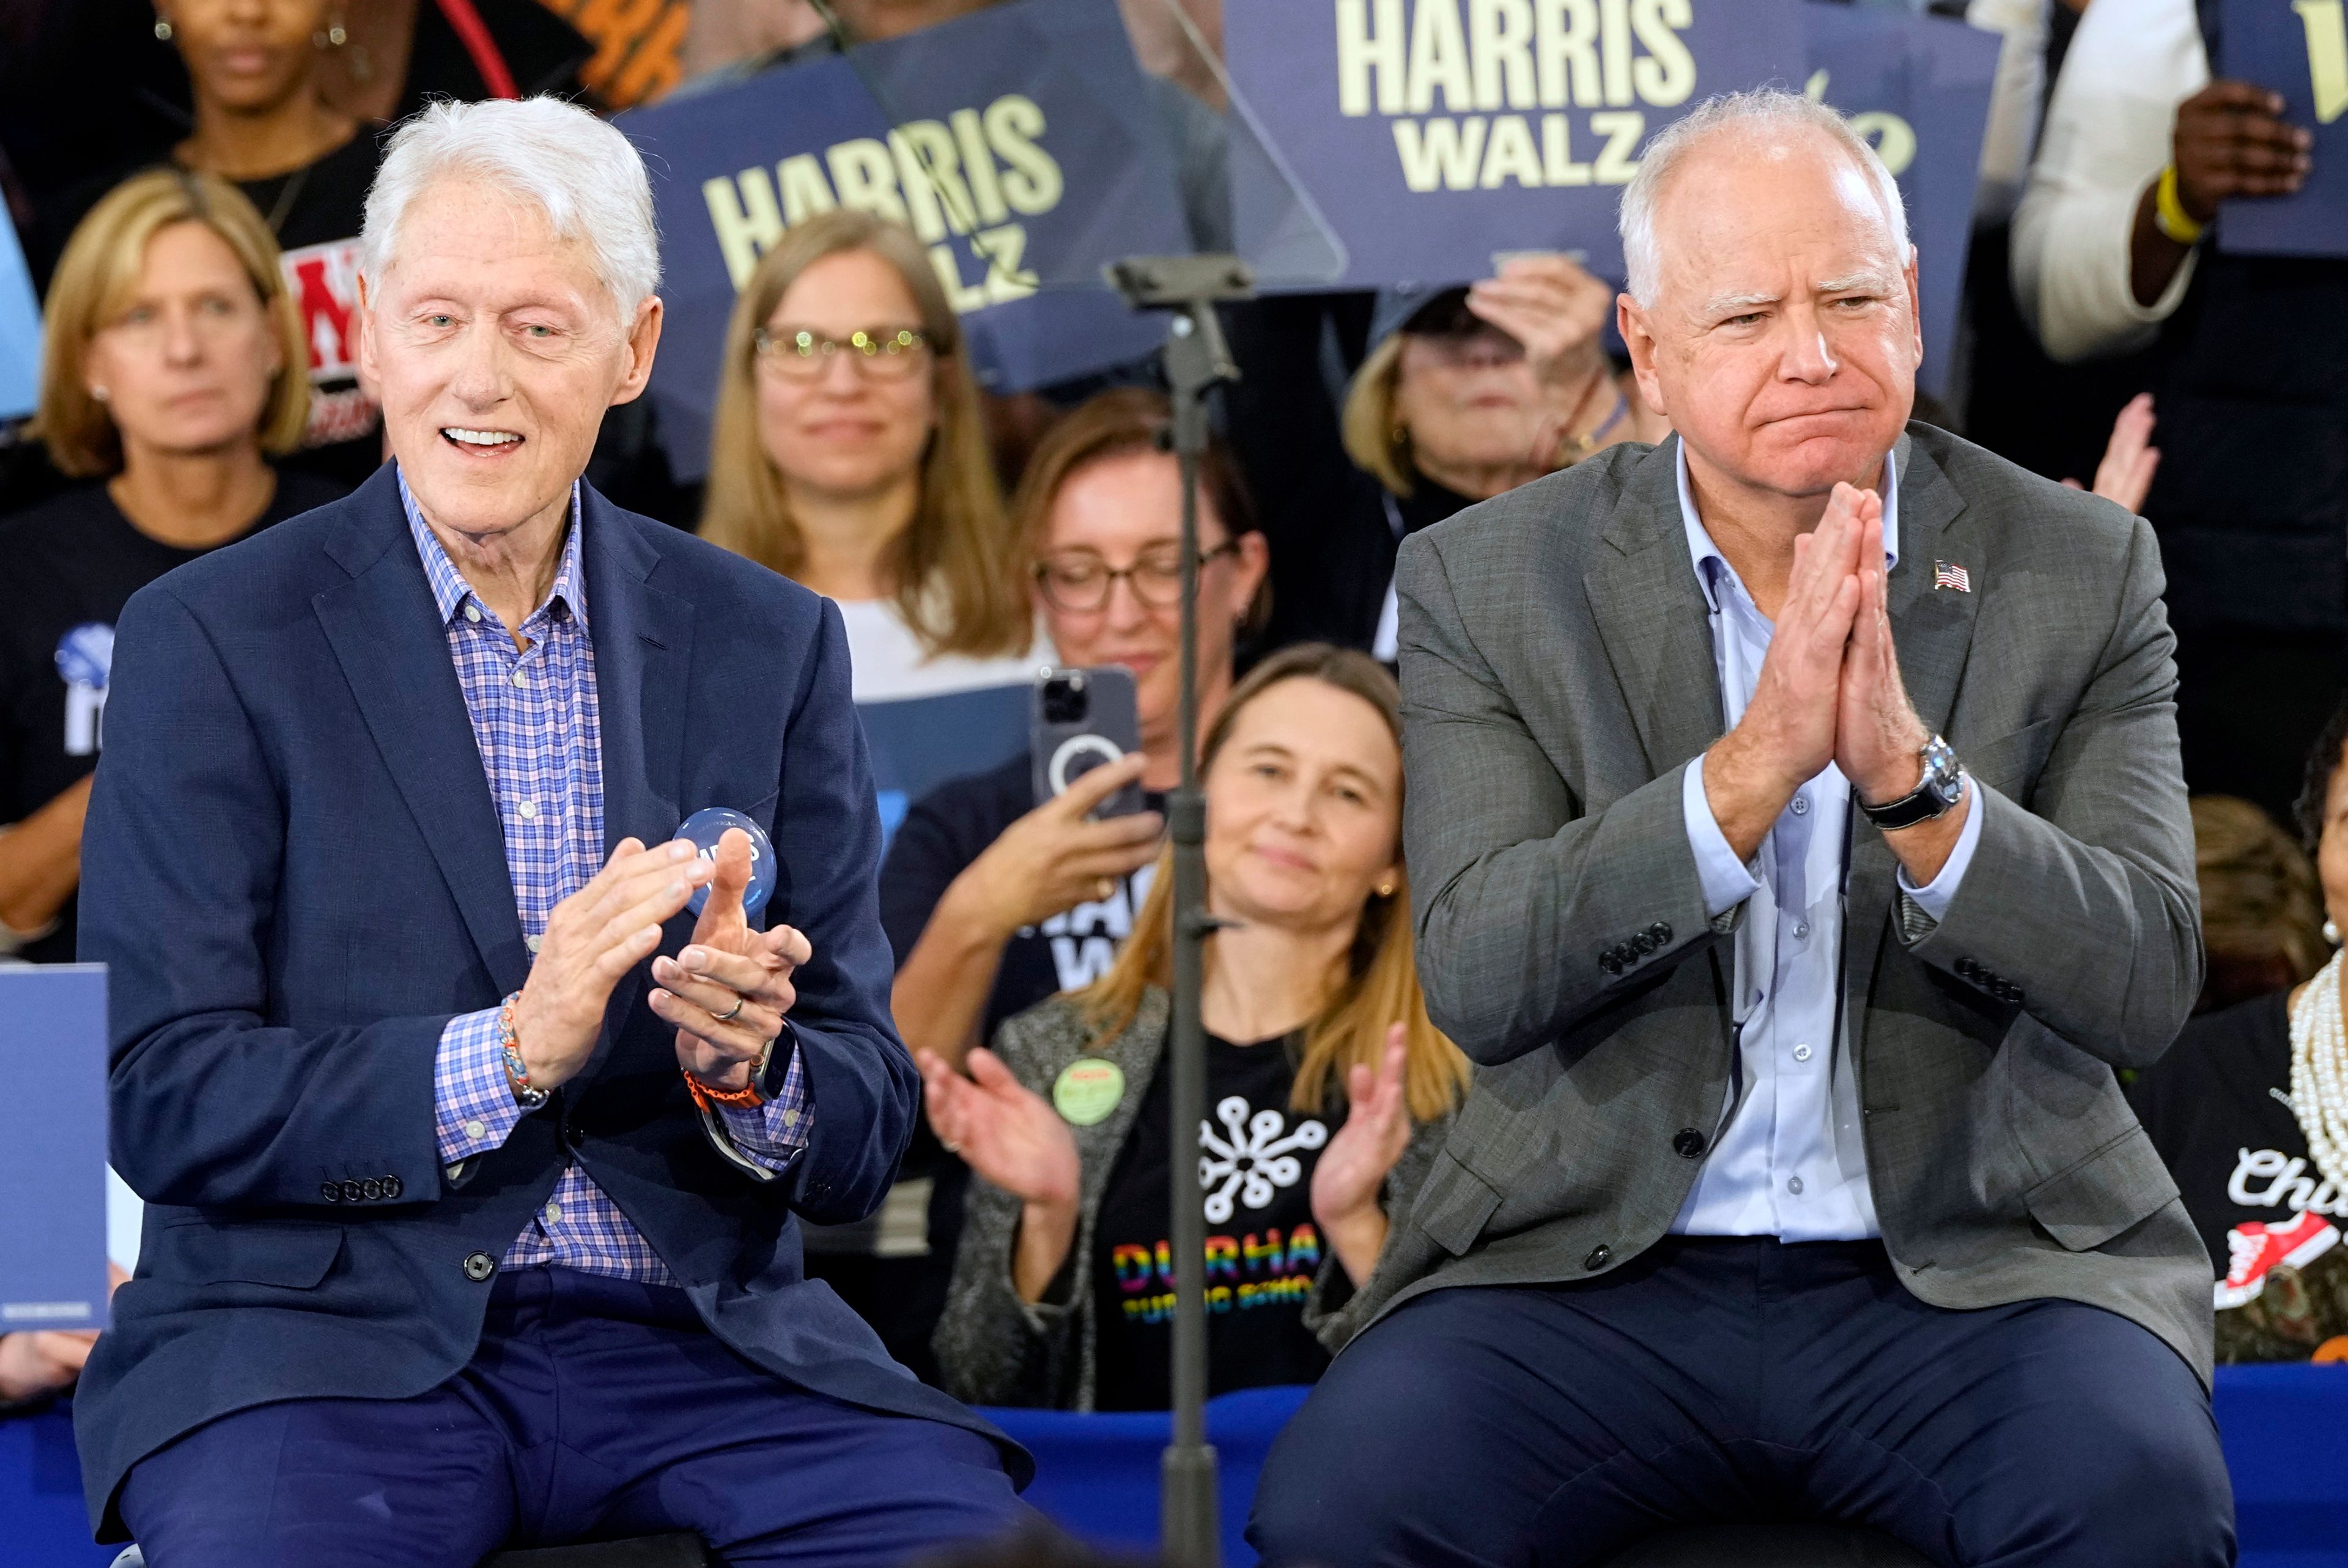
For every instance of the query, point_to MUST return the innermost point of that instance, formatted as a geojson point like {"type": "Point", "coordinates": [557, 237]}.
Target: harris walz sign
{"type": "Point", "coordinates": [1018, 143]}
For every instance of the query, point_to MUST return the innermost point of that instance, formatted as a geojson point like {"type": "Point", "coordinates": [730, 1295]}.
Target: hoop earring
{"type": "Point", "coordinates": [162, 30]}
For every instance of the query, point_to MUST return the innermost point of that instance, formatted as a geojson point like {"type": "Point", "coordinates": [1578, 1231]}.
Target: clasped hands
{"type": "Point", "coordinates": [1828, 691]}
{"type": "Point", "coordinates": [726, 993]}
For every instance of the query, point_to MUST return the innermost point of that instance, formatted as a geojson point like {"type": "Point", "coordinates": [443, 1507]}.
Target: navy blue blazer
{"type": "Point", "coordinates": [295, 870]}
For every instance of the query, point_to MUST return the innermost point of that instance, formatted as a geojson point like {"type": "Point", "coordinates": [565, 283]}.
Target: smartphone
{"type": "Point", "coordinates": [1080, 720]}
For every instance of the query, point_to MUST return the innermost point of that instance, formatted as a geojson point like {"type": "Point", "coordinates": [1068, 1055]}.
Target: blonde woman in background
{"type": "Point", "coordinates": [1329, 1089]}
{"type": "Point", "coordinates": [849, 454]}
{"type": "Point", "coordinates": [173, 367]}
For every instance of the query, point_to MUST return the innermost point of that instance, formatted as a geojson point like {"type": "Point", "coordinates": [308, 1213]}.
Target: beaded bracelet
{"type": "Point", "coordinates": [527, 1095]}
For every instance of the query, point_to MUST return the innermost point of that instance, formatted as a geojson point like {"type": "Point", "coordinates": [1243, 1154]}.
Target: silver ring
{"type": "Point", "coordinates": [727, 1015]}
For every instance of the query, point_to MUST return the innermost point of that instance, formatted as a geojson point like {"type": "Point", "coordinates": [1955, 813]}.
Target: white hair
{"type": "Point", "coordinates": [581, 171]}
{"type": "Point", "coordinates": [1762, 113]}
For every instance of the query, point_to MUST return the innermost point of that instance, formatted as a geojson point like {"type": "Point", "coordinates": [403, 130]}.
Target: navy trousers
{"type": "Point", "coordinates": [1730, 1379]}
{"type": "Point", "coordinates": [594, 1408]}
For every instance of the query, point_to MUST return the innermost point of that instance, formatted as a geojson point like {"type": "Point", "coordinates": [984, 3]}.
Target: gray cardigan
{"type": "Point", "coordinates": [994, 1349]}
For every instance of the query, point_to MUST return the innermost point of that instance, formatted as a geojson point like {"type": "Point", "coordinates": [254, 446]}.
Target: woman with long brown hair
{"type": "Point", "coordinates": [848, 454]}
{"type": "Point", "coordinates": [1330, 1089]}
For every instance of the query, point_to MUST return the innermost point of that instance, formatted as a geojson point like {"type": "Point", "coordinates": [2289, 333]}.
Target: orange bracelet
{"type": "Point", "coordinates": [745, 1099]}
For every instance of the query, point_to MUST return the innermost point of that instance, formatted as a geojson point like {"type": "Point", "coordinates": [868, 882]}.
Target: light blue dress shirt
{"type": "Point", "coordinates": [1790, 1161]}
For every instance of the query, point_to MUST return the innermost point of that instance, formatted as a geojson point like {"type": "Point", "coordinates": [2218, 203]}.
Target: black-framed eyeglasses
{"type": "Point", "coordinates": [1081, 580]}
{"type": "Point", "coordinates": [889, 353]}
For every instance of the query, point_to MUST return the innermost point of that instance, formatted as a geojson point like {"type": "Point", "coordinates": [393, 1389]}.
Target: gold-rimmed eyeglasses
{"type": "Point", "coordinates": [797, 354]}
{"type": "Point", "coordinates": [1080, 581]}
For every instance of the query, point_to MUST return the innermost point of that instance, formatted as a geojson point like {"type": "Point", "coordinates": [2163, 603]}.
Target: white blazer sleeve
{"type": "Point", "coordinates": [2106, 137]}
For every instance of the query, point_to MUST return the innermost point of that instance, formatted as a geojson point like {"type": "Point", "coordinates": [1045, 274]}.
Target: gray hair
{"type": "Point", "coordinates": [581, 171]}
{"type": "Point", "coordinates": [1749, 116]}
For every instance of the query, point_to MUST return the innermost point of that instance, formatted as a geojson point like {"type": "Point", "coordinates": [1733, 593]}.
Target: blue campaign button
{"type": "Point", "coordinates": [705, 827]}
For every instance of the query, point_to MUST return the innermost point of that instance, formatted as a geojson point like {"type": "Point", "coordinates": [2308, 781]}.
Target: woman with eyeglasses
{"type": "Point", "coordinates": [848, 454]}
{"type": "Point", "coordinates": [993, 902]}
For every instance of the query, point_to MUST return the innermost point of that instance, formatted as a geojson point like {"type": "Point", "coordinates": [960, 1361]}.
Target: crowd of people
{"type": "Point", "coordinates": [203, 381]}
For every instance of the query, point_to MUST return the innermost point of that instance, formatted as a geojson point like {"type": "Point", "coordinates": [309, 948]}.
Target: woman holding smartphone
{"type": "Point", "coordinates": [993, 902]}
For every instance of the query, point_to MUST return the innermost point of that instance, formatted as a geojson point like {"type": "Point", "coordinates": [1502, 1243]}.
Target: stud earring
{"type": "Point", "coordinates": [162, 29]}
{"type": "Point", "coordinates": [100, 393]}
{"type": "Point", "coordinates": [2331, 932]}
{"type": "Point", "coordinates": [1385, 889]}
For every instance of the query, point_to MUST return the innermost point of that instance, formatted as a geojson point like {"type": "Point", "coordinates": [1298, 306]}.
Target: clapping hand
{"type": "Point", "coordinates": [1352, 1171]}
{"type": "Point", "coordinates": [1012, 1138]}
{"type": "Point", "coordinates": [729, 990]}
{"type": "Point", "coordinates": [2125, 475]}
{"type": "Point", "coordinates": [1879, 739]}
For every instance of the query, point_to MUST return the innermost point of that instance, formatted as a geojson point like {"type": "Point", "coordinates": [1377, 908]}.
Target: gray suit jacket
{"type": "Point", "coordinates": [1558, 676]}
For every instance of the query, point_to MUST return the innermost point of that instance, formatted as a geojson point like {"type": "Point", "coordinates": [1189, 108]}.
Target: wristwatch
{"type": "Point", "coordinates": [1934, 796]}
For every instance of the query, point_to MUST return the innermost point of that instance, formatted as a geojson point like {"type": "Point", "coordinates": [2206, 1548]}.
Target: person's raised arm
{"type": "Point", "coordinates": [2230, 140]}
{"type": "Point", "coordinates": [1044, 863]}
{"type": "Point", "coordinates": [1012, 1138]}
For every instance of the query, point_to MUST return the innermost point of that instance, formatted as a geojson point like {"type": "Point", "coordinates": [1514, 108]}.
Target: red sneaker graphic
{"type": "Point", "coordinates": [2254, 1248]}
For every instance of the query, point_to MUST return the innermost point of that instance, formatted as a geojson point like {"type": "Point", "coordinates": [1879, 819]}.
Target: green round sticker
{"type": "Point", "coordinates": [1088, 1090]}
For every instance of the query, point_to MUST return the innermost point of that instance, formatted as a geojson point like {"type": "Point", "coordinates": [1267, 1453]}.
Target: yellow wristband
{"type": "Point", "coordinates": [2168, 214]}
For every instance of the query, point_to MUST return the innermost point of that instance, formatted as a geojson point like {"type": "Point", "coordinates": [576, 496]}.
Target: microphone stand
{"type": "Point", "coordinates": [1196, 359]}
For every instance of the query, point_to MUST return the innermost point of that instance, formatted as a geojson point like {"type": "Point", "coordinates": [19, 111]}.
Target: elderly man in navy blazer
{"type": "Point", "coordinates": [473, 1160]}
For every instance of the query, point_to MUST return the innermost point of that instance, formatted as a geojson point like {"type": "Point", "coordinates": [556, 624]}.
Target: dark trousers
{"type": "Point", "coordinates": [594, 1408]}
{"type": "Point", "coordinates": [1730, 1379]}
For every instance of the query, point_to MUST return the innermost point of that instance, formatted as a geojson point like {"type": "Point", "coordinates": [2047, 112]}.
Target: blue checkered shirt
{"type": "Point", "coordinates": [539, 729]}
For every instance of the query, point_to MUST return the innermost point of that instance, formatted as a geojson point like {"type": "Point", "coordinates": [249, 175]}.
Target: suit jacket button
{"type": "Point", "coordinates": [353, 1192]}
{"type": "Point", "coordinates": [1661, 932]}
{"type": "Point", "coordinates": [479, 1266]}
{"type": "Point", "coordinates": [390, 1187]}
{"type": "Point", "coordinates": [1687, 1143]}
{"type": "Point", "coordinates": [1609, 963]}
{"type": "Point", "coordinates": [330, 1192]}
{"type": "Point", "coordinates": [1599, 1256]}
{"type": "Point", "coordinates": [372, 1189]}
{"type": "Point", "coordinates": [1968, 970]}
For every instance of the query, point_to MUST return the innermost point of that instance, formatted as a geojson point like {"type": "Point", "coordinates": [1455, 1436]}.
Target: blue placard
{"type": "Point", "coordinates": [1917, 89]}
{"type": "Point", "coordinates": [919, 742]}
{"type": "Point", "coordinates": [53, 1147]}
{"type": "Point", "coordinates": [1031, 116]}
{"type": "Point", "coordinates": [2298, 49]}
{"type": "Point", "coordinates": [20, 328]}
{"type": "Point", "coordinates": [1432, 135]}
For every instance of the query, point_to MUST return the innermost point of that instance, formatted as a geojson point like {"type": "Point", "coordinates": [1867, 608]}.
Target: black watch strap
{"type": "Point", "coordinates": [1935, 794]}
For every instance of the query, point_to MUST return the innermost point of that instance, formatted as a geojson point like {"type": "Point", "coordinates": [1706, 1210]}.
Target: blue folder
{"type": "Point", "coordinates": [53, 1146]}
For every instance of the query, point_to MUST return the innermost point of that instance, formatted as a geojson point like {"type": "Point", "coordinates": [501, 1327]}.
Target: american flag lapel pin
{"type": "Point", "coordinates": [1949, 574]}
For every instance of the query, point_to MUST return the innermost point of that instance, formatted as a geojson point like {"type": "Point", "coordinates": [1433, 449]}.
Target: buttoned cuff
{"type": "Point", "coordinates": [473, 1107]}
{"type": "Point", "coordinates": [773, 1135]}
{"type": "Point", "coordinates": [1726, 881]}
{"type": "Point", "coordinates": [1932, 899]}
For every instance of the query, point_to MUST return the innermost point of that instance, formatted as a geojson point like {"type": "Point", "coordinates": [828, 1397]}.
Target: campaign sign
{"type": "Point", "coordinates": [1018, 143]}
{"type": "Point", "coordinates": [2298, 49]}
{"type": "Point", "coordinates": [20, 328]}
{"type": "Point", "coordinates": [1917, 89]}
{"type": "Point", "coordinates": [53, 1184]}
{"type": "Point", "coordinates": [1432, 135]}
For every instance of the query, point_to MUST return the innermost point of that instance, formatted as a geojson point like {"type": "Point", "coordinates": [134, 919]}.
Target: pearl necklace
{"type": "Point", "coordinates": [2319, 1073]}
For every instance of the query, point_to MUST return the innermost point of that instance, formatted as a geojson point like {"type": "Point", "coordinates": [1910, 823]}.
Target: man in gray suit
{"type": "Point", "coordinates": [1794, 1181]}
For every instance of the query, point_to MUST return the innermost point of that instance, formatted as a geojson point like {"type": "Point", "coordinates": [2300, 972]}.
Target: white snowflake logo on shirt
{"type": "Point", "coordinates": [1254, 1161]}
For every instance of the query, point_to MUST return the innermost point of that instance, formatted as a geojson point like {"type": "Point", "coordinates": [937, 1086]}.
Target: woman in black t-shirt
{"type": "Point", "coordinates": [2249, 1107]}
{"type": "Point", "coordinates": [1328, 1087]}
{"type": "Point", "coordinates": [171, 363]}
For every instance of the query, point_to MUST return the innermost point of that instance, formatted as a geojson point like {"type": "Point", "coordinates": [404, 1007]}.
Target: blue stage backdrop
{"type": "Point", "coordinates": [1022, 131]}
{"type": "Point", "coordinates": [20, 328]}
{"type": "Point", "coordinates": [1433, 135]}
{"type": "Point", "coordinates": [2300, 49]}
